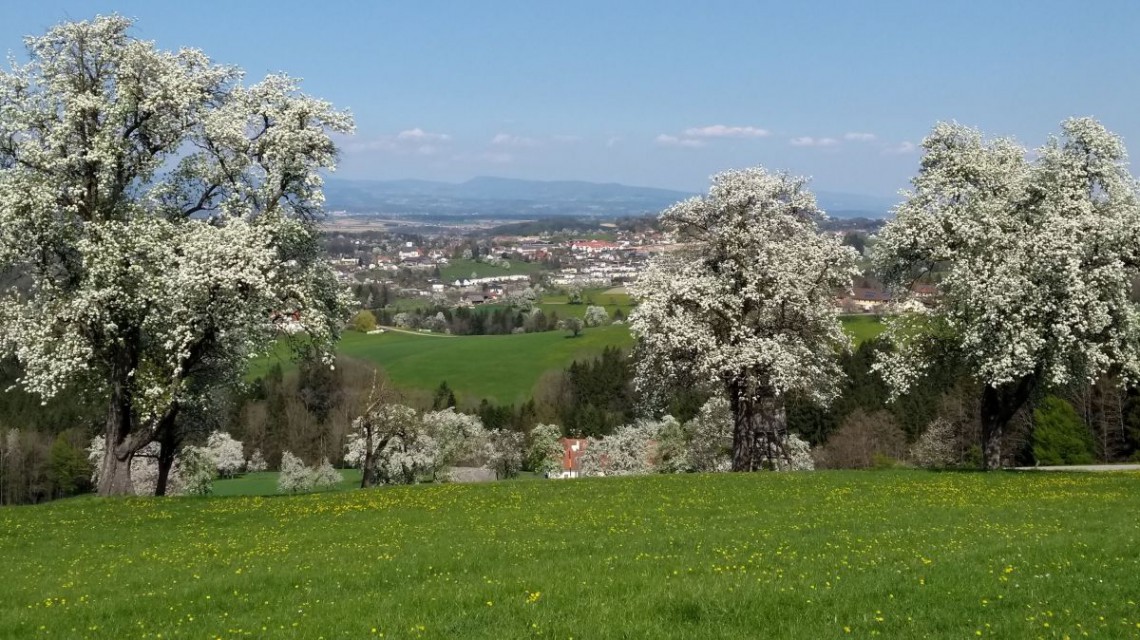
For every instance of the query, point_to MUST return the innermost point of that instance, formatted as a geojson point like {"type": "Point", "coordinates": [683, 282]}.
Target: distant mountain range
{"type": "Point", "coordinates": [513, 198]}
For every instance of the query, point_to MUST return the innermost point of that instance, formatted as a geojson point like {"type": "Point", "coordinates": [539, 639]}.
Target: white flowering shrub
{"type": "Point", "coordinates": [196, 471]}
{"type": "Point", "coordinates": [436, 323]}
{"type": "Point", "coordinates": [294, 477]}
{"type": "Point", "coordinates": [1037, 260]}
{"type": "Point", "coordinates": [256, 463]}
{"type": "Point", "coordinates": [595, 316]}
{"type": "Point", "coordinates": [503, 452]}
{"type": "Point", "coordinates": [459, 437]}
{"type": "Point", "coordinates": [796, 455]}
{"type": "Point", "coordinates": [192, 472]}
{"type": "Point", "coordinates": [936, 448]}
{"type": "Point", "coordinates": [544, 453]}
{"type": "Point", "coordinates": [748, 304]}
{"type": "Point", "coordinates": [325, 475]}
{"type": "Point", "coordinates": [182, 219]}
{"type": "Point", "coordinates": [226, 453]}
{"type": "Point", "coordinates": [710, 433]}
{"type": "Point", "coordinates": [630, 450]}
{"type": "Point", "coordinates": [671, 447]}
{"type": "Point", "coordinates": [404, 320]}
{"type": "Point", "coordinates": [401, 450]}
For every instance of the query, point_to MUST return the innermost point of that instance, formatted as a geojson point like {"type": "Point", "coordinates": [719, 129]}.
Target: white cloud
{"type": "Point", "coordinates": [376, 144]}
{"type": "Point", "coordinates": [667, 140]}
{"type": "Point", "coordinates": [723, 131]}
{"type": "Point", "coordinates": [510, 140]}
{"type": "Point", "coordinates": [612, 141]}
{"type": "Point", "coordinates": [497, 157]}
{"type": "Point", "coordinates": [808, 141]}
{"type": "Point", "coordinates": [419, 135]}
{"type": "Point", "coordinates": [493, 157]}
{"type": "Point", "coordinates": [856, 136]}
{"type": "Point", "coordinates": [901, 148]}
{"type": "Point", "coordinates": [415, 141]}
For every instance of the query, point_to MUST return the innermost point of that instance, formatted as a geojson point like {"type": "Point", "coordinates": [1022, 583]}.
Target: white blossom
{"type": "Point", "coordinates": [544, 455]}
{"type": "Point", "coordinates": [458, 436]}
{"type": "Point", "coordinates": [747, 307]}
{"type": "Point", "coordinates": [595, 316]}
{"type": "Point", "coordinates": [402, 450]}
{"type": "Point", "coordinates": [294, 477]}
{"type": "Point", "coordinates": [226, 453]}
{"type": "Point", "coordinates": [256, 463]}
{"type": "Point", "coordinates": [503, 452]}
{"type": "Point", "coordinates": [172, 239]}
{"type": "Point", "coordinates": [325, 475]}
{"type": "Point", "coordinates": [1036, 259]}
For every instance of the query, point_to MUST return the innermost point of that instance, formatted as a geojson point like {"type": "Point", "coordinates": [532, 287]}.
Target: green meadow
{"type": "Point", "coordinates": [458, 269]}
{"type": "Point", "coordinates": [897, 554]}
{"type": "Point", "coordinates": [504, 368]}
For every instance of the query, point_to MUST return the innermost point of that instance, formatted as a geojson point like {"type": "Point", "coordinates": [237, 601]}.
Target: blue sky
{"type": "Point", "coordinates": [662, 93]}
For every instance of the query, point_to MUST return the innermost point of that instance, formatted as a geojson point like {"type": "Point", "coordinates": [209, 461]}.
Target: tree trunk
{"type": "Point", "coordinates": [999, 405]}
{"type": "Point", "coordinates": [757, 434]}
{"type": "Point", "coordinates": [121, 438]}
{"type": "Point", "coordinates": [115, 476]}
{"type": "Point", "coordinates": [743, 430]}
{"type": "Point", "coordinates": [169, 441]}
{"type": "Point", "coordinates": [368, 467]}
{"type": "Point", "coordinates": [992, 427]}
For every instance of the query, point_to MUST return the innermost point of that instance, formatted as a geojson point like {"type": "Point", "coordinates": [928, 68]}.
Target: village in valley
{"type": "Point", "coordinates": [464, 266]}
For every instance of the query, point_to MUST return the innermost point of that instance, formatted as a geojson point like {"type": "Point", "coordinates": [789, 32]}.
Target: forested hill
{"type": "Point", "coordinates": [513, 198]}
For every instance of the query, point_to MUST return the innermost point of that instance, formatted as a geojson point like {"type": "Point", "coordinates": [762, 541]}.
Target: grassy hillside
{"type": "Point", "coordinates": [815, 555]}
{"type": "Point", "coordinates": [863, 328]}
{"type": "Point", "coordinates": [265, 483]}
{"type": "Point", "coordinates": [504, 368]}
{"type": "Point", "coordinates": [457, 269]}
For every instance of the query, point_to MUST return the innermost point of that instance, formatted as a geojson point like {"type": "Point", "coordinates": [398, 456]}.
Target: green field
{"type": "Point", "coordinates": [265, 483]}
{"type": "Point", "coordinates": [811, 555]}
{"type": "Point", "coordinates": [863, 328]}
{"type": "Point", "coordinates": [504, 367]}
{"type": "Point", "coordinates": [458, 269]}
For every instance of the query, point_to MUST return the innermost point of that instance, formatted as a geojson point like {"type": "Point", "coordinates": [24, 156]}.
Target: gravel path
{"type": "Point", "coordinates": [1084, 467]}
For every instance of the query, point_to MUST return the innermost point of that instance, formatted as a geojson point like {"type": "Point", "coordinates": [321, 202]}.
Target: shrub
{"type": "Point", "coordinates": [1059, 435]}
{"type": "Point", "coordinates": [256, 462]}
{"type": "Point", "coordinates": [861, 438]}
{"type": "Point", "coordinates": [364, 321]}
{"type": "Point", "coordinates": [295, 476]}
{"type": "Point", "coordinates": [196, 471]}
{"type": "Point", "coordinates": [225, 452]}
{"type": "Point", "coordinates": [544, 455]}
{"type": "Point", "coordinates": [325, 475]}
{"type": "Point", "coordinates": [596, 317]}
{"type": "Point", "coordinates": [936, 448]}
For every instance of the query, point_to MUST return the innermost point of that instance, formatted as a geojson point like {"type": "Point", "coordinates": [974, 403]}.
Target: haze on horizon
{"type": "Point", "coordinates": [661, 94]}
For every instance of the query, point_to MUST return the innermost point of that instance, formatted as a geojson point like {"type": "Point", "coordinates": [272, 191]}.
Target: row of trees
{"type": "Point", "coordinates": [1035, 261]}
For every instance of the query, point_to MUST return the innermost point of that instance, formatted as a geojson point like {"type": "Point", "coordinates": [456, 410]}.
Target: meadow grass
{"type": "Point", "coordinates": [459, 269]}
{"type": "Point", "coordinates": [504, 368]}
{"type": "Point", "coordinates": [264, 483]}
{"type": "Point", "coordinates": [862, 328]}
{"type": "Point", "coordinates": [898, 554]}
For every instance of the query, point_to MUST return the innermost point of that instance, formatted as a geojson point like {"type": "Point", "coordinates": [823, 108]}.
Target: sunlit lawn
{"type": "Point", "coordinates": [504, 368]}
{"type": "Point", "coordinates": [815, 555]}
